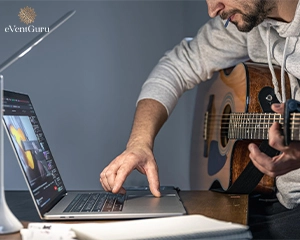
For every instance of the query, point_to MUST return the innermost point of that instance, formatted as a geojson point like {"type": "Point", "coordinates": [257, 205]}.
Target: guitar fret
{"type": "Point", "coordinates": [254, 130]}
{"type": "Point", "coordinates": [293, 124]}
{"type": "Point", "coordinates": [279, 119]}
{"type": "Point", "coordinates": [249, 125]}
{"type": "Point", "coordinates": [237, 132]}
{"type": "Point", "coordinates": [231, 127]}
{"type": "Point", "coordinates": [263, 126]}
{"type": "Point", "coordinates": [246, 126]}
{"type": "Point", "coordinates": [257, 133]}
{"type": "Point", "coordinates": [235, 126]}
{"type": "Point", "coordinates": [242, 126]}
{"type": "Point", "coordinates": [259, 126]}
{"type": "Point", "coordinates": [268, 125]}
{"type": "Point", "coordinates": [249, 130]}
{"type": "Point", "coordinates": [239, 126]}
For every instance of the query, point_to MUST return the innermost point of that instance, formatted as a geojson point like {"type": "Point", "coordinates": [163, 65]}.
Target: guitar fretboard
{"type": "Point", "coordinates": [256, 125]}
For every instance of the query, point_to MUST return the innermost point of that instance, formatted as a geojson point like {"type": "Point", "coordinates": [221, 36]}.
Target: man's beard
{"type": "Point", "coordinates": [252, 20]}
{"type": "Point", "coordinates": [258, 14]}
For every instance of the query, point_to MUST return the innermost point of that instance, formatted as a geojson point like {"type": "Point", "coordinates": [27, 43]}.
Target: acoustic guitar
{"type": "Point", "coordinates": [237, 112]}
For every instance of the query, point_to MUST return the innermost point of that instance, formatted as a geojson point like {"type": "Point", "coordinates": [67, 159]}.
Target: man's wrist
{"type": "Point", "coordinates": [140, 142]}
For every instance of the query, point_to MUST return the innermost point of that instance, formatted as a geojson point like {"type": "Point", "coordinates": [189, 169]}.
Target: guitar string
{"type": "Point", "coordinates": [249, 117]}
{"type": "Point", "coordinates": [255, 114]}
{"type": "Point", "coordinates": [244, 124]}
{"type": "Point", "coordinates": [267, 126]}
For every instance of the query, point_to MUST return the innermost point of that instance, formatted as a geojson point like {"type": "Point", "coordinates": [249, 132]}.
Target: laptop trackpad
{"type": "Point", "coordinates": [150, 196]}
{"type": "Point", "coordinates": [146, 203]}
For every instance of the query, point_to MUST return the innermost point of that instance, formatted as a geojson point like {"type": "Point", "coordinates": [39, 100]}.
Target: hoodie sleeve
{"type": "Point", "coordinates": [194, 60]}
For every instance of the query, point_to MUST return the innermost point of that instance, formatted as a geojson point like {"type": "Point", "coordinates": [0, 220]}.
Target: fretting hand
{"type": "Point", "coordinates": [286, 161]}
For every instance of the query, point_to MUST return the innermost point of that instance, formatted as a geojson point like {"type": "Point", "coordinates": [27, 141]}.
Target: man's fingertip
{"type": "Point", "coordinates": [114, 190]}
{"type": "Point", "coordinates": [276, 105]}
{"type": "Point", "coordinates": [250, 147]}
{"type": "Point", "coordinates": [157, 193]}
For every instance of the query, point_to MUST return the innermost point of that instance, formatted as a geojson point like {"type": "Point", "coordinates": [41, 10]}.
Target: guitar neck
{"type": "Point", "coordinates": [257, 125]}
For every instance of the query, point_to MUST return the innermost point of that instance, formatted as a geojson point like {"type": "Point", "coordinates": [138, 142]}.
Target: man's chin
{"type": "Point", "coordinates": [244, 27]}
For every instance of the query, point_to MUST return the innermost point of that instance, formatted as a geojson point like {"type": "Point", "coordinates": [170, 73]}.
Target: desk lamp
{"type": "Point", "coordinates": [8, 222]}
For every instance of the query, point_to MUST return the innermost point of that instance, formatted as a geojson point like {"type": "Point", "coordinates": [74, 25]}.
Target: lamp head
{"type": "Point", "coordinates": [27, 48]}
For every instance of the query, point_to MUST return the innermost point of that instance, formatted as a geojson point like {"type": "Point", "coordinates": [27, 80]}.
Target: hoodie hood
{"type": "Point", "coordinates": [286, 29]}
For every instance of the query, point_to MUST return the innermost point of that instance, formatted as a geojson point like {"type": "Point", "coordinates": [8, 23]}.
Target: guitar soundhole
{"type": "Point", "coordinates": [225, 125]}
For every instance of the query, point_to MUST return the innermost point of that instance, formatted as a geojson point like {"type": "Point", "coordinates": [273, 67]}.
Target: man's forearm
{"type": "Point", "coordinates": [149, 117]}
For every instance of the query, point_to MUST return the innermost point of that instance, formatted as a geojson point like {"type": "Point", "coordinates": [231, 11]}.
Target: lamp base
{"type": "Point", "coordinates": [8, 222]}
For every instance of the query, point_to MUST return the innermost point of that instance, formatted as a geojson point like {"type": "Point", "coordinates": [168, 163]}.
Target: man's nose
{"type": "Point", "coordinates": [214, 8]}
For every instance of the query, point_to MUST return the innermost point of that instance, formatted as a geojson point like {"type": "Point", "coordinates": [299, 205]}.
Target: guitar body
{"type": "Point", "coordinates": [222, 160]}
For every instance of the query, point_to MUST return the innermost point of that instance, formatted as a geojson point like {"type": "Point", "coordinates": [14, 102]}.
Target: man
{"type": "Point", "coordinates": [265, 31]}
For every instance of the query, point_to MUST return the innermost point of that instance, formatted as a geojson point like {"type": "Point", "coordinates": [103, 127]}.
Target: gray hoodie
{"type": "Point", "coordinates": [216, 47]}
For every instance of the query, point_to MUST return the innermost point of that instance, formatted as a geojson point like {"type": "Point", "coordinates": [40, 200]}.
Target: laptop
{"type": "Point", "coordinates": [52, 200]}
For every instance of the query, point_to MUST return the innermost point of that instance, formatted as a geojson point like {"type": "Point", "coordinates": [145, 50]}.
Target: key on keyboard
{"type": "Point", "coordinates": [96, 202]}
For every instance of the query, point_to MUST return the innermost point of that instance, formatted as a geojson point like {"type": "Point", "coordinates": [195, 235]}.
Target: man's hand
{"type": "Point", "coordinates": [286, 161]}
{"type": "Point", "coordinates": [149, 117]}
{"type": "Point", "coordinates": [140, 158]}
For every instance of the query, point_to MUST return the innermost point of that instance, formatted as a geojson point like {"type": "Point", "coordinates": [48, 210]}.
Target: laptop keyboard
{"type": "Point", "coordinates": [96, 202]}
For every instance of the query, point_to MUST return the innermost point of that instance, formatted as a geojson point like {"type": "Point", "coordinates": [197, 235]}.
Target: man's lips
{"type": "Point", "coordinates": [225, 16]}
{"type": "Point", "coordinates": [232, 17]}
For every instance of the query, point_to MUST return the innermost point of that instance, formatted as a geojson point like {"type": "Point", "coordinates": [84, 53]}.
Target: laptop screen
{"type": "Point", "coordinates": [32, 150]}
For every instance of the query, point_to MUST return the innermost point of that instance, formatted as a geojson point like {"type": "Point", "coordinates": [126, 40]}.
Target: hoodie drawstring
{"type": "Point", "coordinates": [281, 98]}
{"type": "Point", "coordinates": [274, 79]}
{"type": "Point", "coordinates": [282, 70]}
